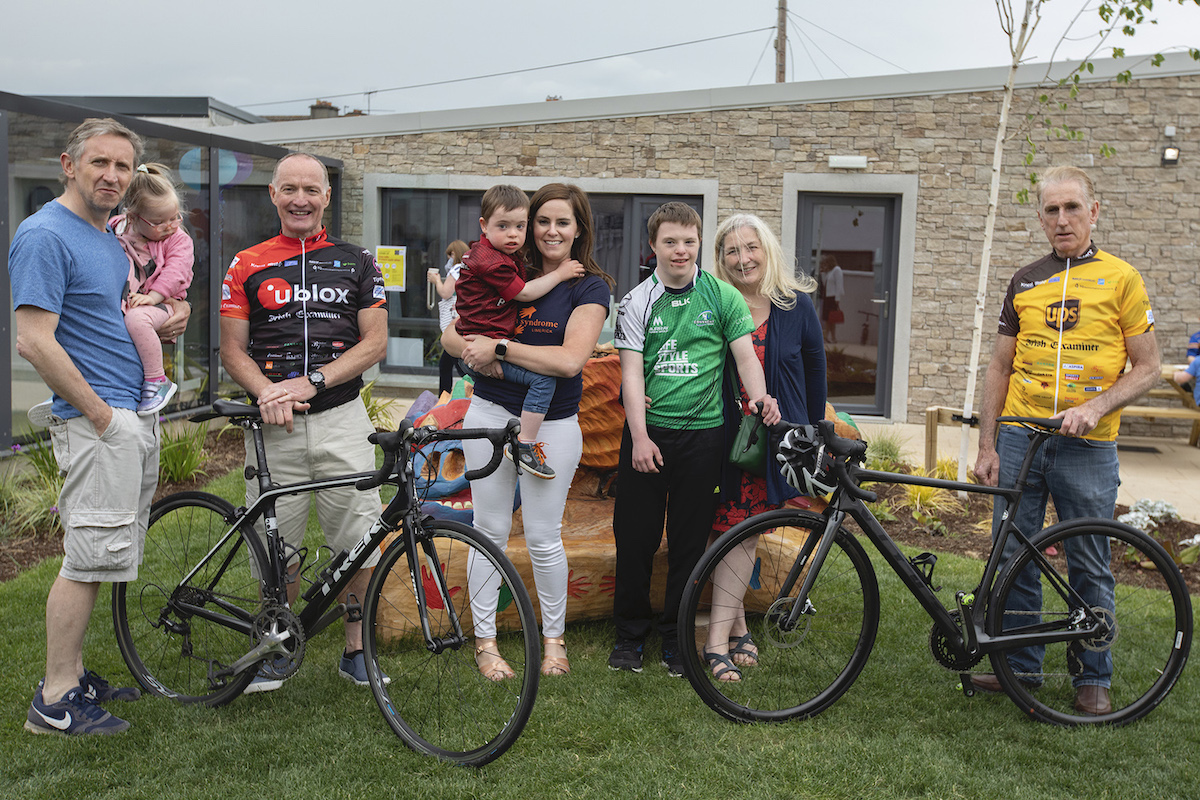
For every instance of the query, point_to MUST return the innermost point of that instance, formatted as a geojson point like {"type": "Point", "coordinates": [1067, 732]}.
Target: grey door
{"type": "Point", "coordinates": [849, 243]}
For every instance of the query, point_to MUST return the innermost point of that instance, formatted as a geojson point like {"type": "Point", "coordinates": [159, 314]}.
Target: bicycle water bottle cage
{"type": "Point", "coordinates": [924, 564]}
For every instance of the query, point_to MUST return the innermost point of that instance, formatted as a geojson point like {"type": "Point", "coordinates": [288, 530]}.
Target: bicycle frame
{"type": "Point", "coordinates": [320, 609]}
{"type": "Point", "coordinates": [969, 637]}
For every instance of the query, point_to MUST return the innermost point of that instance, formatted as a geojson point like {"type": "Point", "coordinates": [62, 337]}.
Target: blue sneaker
{"type": "Point", "coordinates": [270, 675]}
{"type": "Point", "coordinates": [354, 669]}
{"type": "Point", "coordinates": [98, 690]}
{"type": "Point", "coordinates": [74, 715]}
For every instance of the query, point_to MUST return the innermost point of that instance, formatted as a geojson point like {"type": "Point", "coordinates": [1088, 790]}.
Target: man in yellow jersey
{"type": "Point", "coordinates": [1069, 323]}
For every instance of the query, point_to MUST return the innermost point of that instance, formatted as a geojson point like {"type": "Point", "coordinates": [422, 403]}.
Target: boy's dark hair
{"type": "Point", "coordinates": [504, 196]}
{"type": "Point", "coordinates": [679, 213]}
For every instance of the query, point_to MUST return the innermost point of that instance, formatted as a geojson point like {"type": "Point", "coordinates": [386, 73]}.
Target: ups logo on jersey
{"type": "Point", "coordinates": [1062, 316]}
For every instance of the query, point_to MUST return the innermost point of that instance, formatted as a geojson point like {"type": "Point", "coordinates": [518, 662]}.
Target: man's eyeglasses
{"type": "Point", "coordinates": [175, 220]}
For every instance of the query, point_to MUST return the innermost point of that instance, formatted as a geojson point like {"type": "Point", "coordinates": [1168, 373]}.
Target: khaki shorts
{"type": "Point", "coordinates": [322, 445]}
{"type": "Point", "coordinates": [106, 495]}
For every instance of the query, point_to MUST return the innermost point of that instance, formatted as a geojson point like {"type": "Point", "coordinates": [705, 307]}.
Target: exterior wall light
{"type": "Point", "coordinates": [1170, 156]}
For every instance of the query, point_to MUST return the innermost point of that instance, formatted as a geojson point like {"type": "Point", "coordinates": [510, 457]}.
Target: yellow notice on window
{"type": "Point", "coordinates": [391, 264]}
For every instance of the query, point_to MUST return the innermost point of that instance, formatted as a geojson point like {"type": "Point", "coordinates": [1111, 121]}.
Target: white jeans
{"type": "Point", "coordinates": [542, 504]}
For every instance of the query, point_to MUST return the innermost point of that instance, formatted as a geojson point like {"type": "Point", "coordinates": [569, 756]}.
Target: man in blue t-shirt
{"type": "Point", "coordinates": [68, 276]}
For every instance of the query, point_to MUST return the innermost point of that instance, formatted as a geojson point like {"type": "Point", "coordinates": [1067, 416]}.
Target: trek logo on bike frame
{"type": "Point", "coordinates": [351, 558]}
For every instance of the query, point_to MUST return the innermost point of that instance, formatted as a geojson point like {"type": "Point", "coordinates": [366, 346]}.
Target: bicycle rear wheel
{"type": "Point", "coordinates": [800, 672]}
{"type": "Point", "coordinates": [438, 703]}
{"type": "Point", "coordinates": [179, 639]}
{"type": "Point", "coordinates": [1145, 651]}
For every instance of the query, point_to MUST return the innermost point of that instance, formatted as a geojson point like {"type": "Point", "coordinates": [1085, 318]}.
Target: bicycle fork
{"type": "Point", "coordinates": [423, 558]}
{"type": "Point", "coordinates": [813, 557]}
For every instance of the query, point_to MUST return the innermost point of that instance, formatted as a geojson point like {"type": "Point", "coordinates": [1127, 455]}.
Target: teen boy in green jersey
{"type": "Point", "coordinates": [672, 331]}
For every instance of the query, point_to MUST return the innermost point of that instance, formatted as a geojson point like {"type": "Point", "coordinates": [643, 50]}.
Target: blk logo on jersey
{"type": "Point", "coordinates": [275, 293]}
{"type": "Point", "coordinates": [1062, 316]}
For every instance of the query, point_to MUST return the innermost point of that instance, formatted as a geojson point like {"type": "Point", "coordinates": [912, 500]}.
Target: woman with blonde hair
{"type": "Point", "coordinates": [787, 339]}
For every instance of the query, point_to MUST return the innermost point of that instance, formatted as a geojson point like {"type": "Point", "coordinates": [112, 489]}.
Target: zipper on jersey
{"type": "Point", "coordinates": [1062, 311]}
{"type": "Point", "coordinates": [304, 302]}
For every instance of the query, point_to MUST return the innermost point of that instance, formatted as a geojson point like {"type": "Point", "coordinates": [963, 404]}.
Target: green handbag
{"type": "Point", "coordinates": [749, 450]}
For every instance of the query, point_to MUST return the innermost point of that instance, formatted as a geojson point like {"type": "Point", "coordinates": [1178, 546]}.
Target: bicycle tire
{"type": "Point", "coordinates": [173, 653]}
{"type": "Point", "coordinates": [439, 703]}
{"type": "Point", "coordinates": [799, 673]}
{"type": "Point", "coordinates": [1150, 644]}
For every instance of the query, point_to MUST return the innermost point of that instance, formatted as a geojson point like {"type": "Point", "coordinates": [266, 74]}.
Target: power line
{"type": "Point", "coordinates": [847, 41]}
{"type": "Point", "coordinates": [804, 35]}
{"type": "Point", "coordinates": [514, 71]}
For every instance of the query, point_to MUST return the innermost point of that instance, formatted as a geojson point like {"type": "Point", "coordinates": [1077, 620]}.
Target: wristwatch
{"type": "Point", "coordinates": [501, 349]}
{"type": "Point", "coordinates": [317, 380]}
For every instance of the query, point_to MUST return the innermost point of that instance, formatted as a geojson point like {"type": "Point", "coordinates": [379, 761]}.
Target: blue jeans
{"type": "Point", "coordinates": [541, 387]}
{"type": "Point", "coordinates": [1082, 477]}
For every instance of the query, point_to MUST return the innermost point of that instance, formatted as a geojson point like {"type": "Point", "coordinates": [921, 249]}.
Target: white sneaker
{"type": "Point", "coordinates": [155, 395]}
{"type": "Point", "coordinates": [40, 415]}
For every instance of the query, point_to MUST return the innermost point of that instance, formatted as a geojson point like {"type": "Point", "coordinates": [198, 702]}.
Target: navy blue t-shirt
{"type": "Point", "coordinates": [544, 322]}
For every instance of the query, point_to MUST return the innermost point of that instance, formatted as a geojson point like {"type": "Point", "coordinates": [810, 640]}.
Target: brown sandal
{"type": "Point", "coordinates": [493, 667]}
{"type": "Point", "coordinates": [555, 665]}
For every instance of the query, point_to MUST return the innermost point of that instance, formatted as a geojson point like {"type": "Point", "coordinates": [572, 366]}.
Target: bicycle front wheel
{"type": "Point", "coordinates": [438, 702]}
{"type": "Point", "coordinates": [801, 669]}
{"type": "Point", "coordinates": [1148, 611]}
{"type": "Point", "coordinates": [180, 639]}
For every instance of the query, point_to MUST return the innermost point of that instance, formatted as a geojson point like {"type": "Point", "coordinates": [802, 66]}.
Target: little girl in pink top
{"type": "Point", "coordinates": [161, 254]}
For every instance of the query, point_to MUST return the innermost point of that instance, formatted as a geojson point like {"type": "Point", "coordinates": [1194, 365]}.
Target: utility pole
{"type": "Point", "coordinates": [781, 44]}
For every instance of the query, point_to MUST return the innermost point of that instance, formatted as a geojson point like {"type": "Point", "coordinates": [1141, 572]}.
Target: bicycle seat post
{"type": "Point", "coordinates": [260, 456]}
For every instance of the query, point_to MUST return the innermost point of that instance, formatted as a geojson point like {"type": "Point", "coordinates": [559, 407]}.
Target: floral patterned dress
{"type": "Point", "coordinates": [752, 497]}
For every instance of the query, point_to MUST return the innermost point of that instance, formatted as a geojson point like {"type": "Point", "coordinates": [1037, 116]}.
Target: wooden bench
{"type": "Point", "coordinates": [1168, 412]}
{"type": "Point", "coordinates": [935, 416]}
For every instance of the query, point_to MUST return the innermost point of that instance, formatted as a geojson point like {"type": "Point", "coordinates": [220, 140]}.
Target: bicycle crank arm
{"type": "Point", "coordinates": [271, 642]}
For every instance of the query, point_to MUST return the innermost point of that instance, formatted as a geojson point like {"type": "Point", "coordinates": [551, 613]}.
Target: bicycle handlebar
{"type": "Point", "coordinates": [846, 451]}
{"type": "Point", "coordinates": [406, 434]}
{"type": "Point", "coordinates": [1044, 423]}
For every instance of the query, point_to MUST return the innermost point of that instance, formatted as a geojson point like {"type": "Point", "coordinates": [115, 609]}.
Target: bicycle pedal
{"type": "Point", "coordinates": [353, 609]}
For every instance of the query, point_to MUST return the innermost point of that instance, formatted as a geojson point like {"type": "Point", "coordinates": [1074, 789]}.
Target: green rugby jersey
{"type": "Point", "coordinates": [683, 336]}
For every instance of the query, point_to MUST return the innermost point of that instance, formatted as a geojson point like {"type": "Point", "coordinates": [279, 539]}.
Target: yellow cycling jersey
{"type": "Point", "coordinates": [1071, 318]}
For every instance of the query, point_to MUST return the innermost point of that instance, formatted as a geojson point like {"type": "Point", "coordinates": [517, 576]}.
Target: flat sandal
{"type": "Point", "coordinates": [496, 668]}
{"type": "Point", "coordinates": [555, 665]}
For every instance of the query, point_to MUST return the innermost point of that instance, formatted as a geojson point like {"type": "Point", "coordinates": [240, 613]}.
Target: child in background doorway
{"type": "Point", "coordinates": [446, 313]}
{"type": "Point", "coordinates": [161, 255]}
{"type": "Point", "coordinates": [491, 279]}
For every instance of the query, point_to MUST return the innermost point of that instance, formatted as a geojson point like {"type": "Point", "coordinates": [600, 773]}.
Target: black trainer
{"type": "Point", "coordinates": [626, 655]}
{"type": "Point", "coordinates": [672, 659]}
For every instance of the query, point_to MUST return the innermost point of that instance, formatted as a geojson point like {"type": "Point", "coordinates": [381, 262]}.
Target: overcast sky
{"type": "Point", "coordinates": [241, 53]}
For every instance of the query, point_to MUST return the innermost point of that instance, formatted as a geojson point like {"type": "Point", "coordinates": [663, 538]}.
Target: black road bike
{"type": "Point", "coordinates": [811, 601]}
{"type": "Point", "coordinates": [210, 603]}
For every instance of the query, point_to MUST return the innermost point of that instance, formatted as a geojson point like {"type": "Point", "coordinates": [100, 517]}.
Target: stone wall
{"type": "Point", "coordinates": [1149, 214]}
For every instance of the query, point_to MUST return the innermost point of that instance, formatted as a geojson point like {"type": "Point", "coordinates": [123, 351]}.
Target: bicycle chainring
{"type": "Point", "coordinates": [271, 624]}
{"type": "Point", "coordinates": [942, 654]}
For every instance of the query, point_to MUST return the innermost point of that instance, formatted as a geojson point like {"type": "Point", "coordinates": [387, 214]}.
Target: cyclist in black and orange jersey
{"type": "Point", "coordinates": [1069, 323]}
{"type": "Point", "coordinates": [302, 317]}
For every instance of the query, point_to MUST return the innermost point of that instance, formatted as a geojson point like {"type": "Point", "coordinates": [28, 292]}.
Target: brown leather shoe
{"type": "Point", "coordinates": [987, 682]}
{"type": "Point", "coordinates": [1093, 700]}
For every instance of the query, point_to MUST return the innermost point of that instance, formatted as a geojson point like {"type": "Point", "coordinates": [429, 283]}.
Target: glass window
{"type": "Point", "coordinates": [424, 221]}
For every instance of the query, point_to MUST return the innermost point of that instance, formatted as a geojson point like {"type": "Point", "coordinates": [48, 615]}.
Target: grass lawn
{"type": "Point", "coordinates": [903, 730]}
